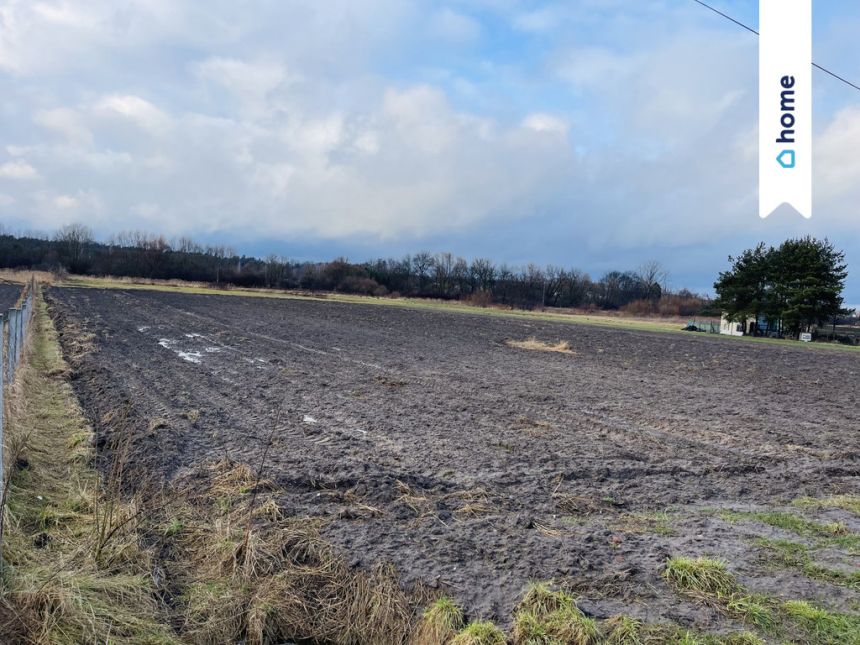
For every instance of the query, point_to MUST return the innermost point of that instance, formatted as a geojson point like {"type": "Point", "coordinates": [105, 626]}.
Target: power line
{"type": "Point", "coordinates": [748, 28]}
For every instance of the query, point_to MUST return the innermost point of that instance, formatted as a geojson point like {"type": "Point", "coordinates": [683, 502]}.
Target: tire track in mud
{"type": "Point", "coordinates": [317, 436]}
{"type": "Point", "coordinates": [418, 408]}
{"type": "Point", "coordinates": [635, 431]}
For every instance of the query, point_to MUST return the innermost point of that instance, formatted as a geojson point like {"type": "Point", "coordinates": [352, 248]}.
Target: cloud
{"type": "Point", "coordinates": [65, 122]}
{"type": "Point", "coordinates": [836, 162]}
{"type": "Point", "coordinates": [542, 122]}
{"type": "Point", "coordinates": [18, 170]}
{"type": "Point", "coordinates": [134, 109]}
{"type": "Point", "coordinates": [250, 83]}
{"type": "Point", "coordinates": [596, 128]}
{"type": "Point", "coordinates": [453, 26]}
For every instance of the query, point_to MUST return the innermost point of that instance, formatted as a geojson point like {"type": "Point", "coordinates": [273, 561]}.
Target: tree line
{"type": "Point", "coordinates": [793, 287]}
{"type": "Point", "coordinates": [424, 275]}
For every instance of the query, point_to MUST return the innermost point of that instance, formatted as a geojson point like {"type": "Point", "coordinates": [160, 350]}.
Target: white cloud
{"type": "Point", "coordinates": [250, 83]}
{"type": "Point", "coordinates": [836, 162]}
{"type": "Point", "coordinates": [542, 122]}
{"type": "Point", "coordinates": [135, 109]}
{"type": "Point", "coordinates": [18, 170]}
{"type": "Point", "coordinates": [65, 122]}
{"type": "Point", "coordinates": [391, 119]}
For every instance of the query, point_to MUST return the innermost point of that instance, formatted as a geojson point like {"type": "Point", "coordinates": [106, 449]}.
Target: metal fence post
{"type": "Point", "coordinates": [19, 345]}
{"type": "Point", "coordinates": [2, 404]}
{"type": "Point", "coordinates": [10, 346]}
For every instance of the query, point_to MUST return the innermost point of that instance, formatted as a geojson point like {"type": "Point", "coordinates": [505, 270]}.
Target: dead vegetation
{"type": "Point", "coordinates": [89, 562]}
{"type": "Point", "coordinates": [214, 558]}
{"type": "Point", "coordinates": [74, 572]}
{"type": "Point", "coordinates": [532, 343]}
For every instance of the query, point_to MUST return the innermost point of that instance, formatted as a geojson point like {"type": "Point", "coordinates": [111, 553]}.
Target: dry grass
{"type": "Point", "coordinates": [74, 572]}
{"type": "Point", "coordinates": [532, 343]}
{"type": "Point", "coordinates": [21, 277]}
{"type": "Point", "coordinates": [217, 547]}
{"type": "Point", "coordinates": [249, 574]}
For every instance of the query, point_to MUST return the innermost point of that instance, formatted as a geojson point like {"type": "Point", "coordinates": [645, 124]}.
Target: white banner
{"type": "Point", "coordinates": [785, 105]}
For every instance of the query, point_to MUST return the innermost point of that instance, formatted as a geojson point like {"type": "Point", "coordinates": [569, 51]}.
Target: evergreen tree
{"type": "Point", "coordinates": [799, 283]}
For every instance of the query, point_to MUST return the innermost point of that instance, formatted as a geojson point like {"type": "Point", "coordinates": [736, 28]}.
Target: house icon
{"type": "Point", "coordinates": [786, 158]}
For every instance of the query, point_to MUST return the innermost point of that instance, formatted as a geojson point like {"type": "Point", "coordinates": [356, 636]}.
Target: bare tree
{"type": "Point", "coordinates": [653, 277]}
{"type": "Point", "coordinates": [422, 262]}
{"type": "Point", "coordinates": [73, 246]}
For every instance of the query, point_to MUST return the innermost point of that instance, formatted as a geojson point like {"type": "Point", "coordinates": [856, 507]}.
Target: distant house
{"type": "Point", "coordinates": [731, 328]}
{"type": "Point", "coordinates": [752, 326]}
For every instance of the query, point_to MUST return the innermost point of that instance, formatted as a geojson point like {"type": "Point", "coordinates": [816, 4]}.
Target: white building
{"type": "Point", "coordinates": [733, 328]}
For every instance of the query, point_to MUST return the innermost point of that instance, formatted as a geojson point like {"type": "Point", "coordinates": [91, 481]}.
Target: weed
{"type": "Point", "coordinates": [742, 638]}
{"type": "Point", "coordinates": [793, 555]}
{"type": "Point", "coordinates": [480, 633]}
{"type": "Point", "coordinates": [623, 630]}
{"type": "Point", "coordinates": [850, 503]}
{"type": "Point", "coordinates": [548, 617]}
{"type": "Point", "coordinates": [658, 523]}
{"type": "Point", "coordinates": [439, 623]}
{"type": "Point", "coordinates": [822, 625]}
{"type": "Point", "coordinates": [173, 528]}
{"type": "Point", "coordinates": [789, 522]}
{"type": "Point", "coordinates": [702, 575]}
{"type": "Point", "coordinates": [752, 610]}
{"type": "Point", "coordinates": [540, 599]}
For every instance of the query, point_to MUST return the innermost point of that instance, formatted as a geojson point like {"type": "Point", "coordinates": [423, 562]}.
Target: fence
{"type": "Point", "coordinates": [14, 327]}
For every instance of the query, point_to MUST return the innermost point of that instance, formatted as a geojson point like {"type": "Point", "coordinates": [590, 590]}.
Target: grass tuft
{"type": "Point", "coordinates": [480, 633]}
{"type": "Point", "coordinates": [703, 575]}
{"type": "Point", "coordinates": [623, 630]}
{"type": "Point", "coordinates": [752, 610]}
{"type": "Point", "coordinates": [439, 623]}
{"type": "Point", "coordinates": [539, 599]}
{"type": "Point", "coordinates": [823, 626]}
{"type": "Point", "coordinates": [548, 617]}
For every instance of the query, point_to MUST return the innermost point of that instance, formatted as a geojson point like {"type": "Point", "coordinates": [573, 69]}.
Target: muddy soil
{"type": "Point", "coordinates": [472, 466]}
{"type": "Point", "coordinates": [9, 294]}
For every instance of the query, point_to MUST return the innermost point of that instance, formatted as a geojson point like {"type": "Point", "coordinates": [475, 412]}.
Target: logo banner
{"type": "Point", "coordinates": [785, 105]}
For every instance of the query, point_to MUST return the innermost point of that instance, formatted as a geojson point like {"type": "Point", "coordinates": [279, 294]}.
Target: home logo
{"type": "Point", "coordinates": [785, 106]}
{"type": "Point", "coordinates": [786, 158]}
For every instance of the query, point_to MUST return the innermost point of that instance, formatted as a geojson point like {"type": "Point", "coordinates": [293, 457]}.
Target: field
{"type": "Point", "coordinates": [475, 462]}
{"type": "Point", "coordinates": [9, 294]}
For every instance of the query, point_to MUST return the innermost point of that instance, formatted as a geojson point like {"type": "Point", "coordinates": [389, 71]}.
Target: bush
{"type": "Point", "coordinates": [480, 299]}
{"type": "Point", "coordinates": [362, 285]}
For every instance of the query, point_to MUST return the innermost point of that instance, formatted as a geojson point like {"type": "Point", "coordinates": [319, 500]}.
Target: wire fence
{"type": "Point", "coordinates": [14, 329]}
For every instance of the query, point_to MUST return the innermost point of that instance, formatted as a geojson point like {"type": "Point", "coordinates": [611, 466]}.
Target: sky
{"type": "Point", "coordinates": [596, 134]}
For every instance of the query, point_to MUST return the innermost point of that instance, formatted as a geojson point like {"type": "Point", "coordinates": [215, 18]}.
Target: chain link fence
{"type": "Point", "coordinates": [14, 328]}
